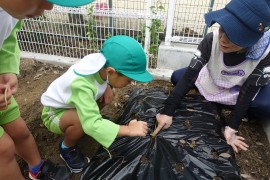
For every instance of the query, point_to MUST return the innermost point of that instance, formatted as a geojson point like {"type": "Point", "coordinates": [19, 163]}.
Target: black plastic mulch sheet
{"type": "Point", "coordinates": [192, 148]}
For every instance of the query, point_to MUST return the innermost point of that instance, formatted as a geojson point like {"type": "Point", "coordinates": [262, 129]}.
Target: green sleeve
{"type": "Point", "coordinates": [82, 98]}
{"type": "Point", "coordinates": [10, 52]}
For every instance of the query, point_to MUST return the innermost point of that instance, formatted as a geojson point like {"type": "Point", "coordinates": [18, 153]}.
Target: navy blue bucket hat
{"type": "Point", "coordinates": [244, 21]}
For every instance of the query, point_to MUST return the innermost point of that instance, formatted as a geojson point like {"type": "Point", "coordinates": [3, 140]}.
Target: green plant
{"type": "Point", "coordinates": [155, 29]}
{"type": "Point", "coordinates": [108, 35]}
{"type": "Point", "coordinates": [92, 34]}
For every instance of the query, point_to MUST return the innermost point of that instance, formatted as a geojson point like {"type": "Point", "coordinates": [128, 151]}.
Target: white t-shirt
{"type": "Point", "coordinates": [7, 23]}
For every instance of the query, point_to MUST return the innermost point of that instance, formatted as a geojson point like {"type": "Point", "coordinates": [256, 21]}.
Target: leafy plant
{"type": "Point", "coordinates": [92, 34]}
{"type": "Point", "coordinates": [155, 29]}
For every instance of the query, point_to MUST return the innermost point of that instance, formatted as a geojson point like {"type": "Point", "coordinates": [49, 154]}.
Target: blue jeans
{"type": "Point", "coordinates": [260, 106]}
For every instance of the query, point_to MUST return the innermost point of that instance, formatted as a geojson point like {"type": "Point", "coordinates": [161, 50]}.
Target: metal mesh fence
{"type": "Point", "coordinates": [76, 32]}
{"type": "Point", "coordinates": [54, 34]}
{"type": "Point", "coordinates": [189, 25]}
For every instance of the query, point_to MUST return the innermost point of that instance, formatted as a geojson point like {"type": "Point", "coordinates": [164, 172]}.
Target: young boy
{"type": "Point", "coordinates": [72, 101]}
{"type": "Point", "coordinates": [15, 137]}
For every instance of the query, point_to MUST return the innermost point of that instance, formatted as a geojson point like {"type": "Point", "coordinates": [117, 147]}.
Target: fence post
{"type": "Point", "coordinates": [170, 19]}
{"type": "Point", "coordinates": [148, 23]}
{"type": "Point", "coordinates": [111, 19]}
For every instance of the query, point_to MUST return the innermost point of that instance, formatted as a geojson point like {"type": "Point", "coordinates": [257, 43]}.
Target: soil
{"type": "Point", "coordinates": [34, 80]}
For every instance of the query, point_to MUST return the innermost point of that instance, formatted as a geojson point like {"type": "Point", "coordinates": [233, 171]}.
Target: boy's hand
{"type": "Point", "coordinates": [164, 122]}
{"type": "Point", "coordinates": [5, 95]}
{"type": "Point", "coordinates": [134, 128]}
{"type": "Point", "coordinates": [237, 142]}
{"type": "Point", "coordinates": [107, 97]}
{"type": "Point", "coordinates": [137, 128]}
{"type": "Point", "coordinates": [10, 80]}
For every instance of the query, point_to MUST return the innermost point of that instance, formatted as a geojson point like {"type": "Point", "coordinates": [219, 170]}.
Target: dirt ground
{"type": "Point", "coordinates": [34, 80]}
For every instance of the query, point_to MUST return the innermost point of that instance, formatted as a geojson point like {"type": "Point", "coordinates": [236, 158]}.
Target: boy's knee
{"type": "Point", "coordinates": [22, 133]}
{"type": "Point", "coordinates": [7, 148]}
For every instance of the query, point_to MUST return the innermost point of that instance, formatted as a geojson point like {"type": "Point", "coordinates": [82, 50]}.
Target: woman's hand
{"type": "Point", "coordinates": [164, 122]}
{"type": "Point", "coordinates": [237, 142]}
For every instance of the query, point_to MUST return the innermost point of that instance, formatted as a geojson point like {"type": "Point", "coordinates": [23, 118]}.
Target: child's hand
{"type": "Point", "coordinates": [164, 122]}
{"type": "Point", "coordinates": [137, 128]}
{"type": "Point", "coordinates": [237, 142]}
{"type": "Point", "coordinates": [108, 95]}
{"type": "Point", "coordinates": [10, 80]}
{"type": "Point", "coordinates": [5, 95]}
{"type": "Point", "coordinates": [134, 128]}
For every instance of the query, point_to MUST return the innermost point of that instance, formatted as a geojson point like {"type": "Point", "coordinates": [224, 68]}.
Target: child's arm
{"type": "Point", "coordinates": [9, 67]}
{"type": "Point", "coordinates": [134, 128]}
{"type": "Point", "coordinates": [83, 99]}
{"type": "Point", "coordinates": [10, 53]}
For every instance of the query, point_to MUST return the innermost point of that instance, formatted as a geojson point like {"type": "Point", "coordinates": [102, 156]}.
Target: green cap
{"type": "Point", "coordinates": [70, 3]}
{"type": "Point", "coordinates": [127, 57]}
